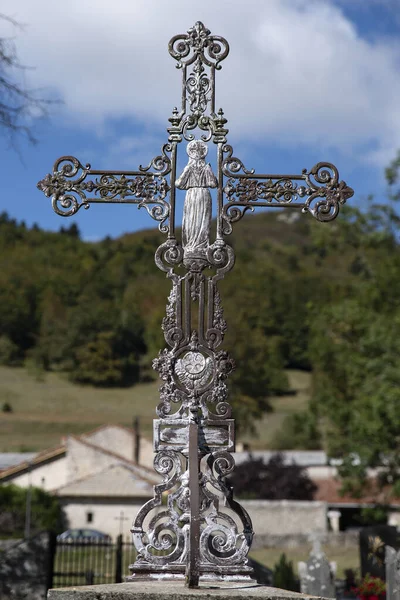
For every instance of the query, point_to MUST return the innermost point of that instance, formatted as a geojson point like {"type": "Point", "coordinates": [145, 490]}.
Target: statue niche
{"type": "Point", "coordinates": [196, 178]}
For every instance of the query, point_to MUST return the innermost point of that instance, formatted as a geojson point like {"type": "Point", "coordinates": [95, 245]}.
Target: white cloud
{"type": "Point", "coordinates": [298, 69]}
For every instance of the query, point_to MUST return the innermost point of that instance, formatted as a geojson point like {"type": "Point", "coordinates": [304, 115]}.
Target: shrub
{"type": "Point", "coordinates": [274, 480]}
{"type": "Point", "coordinates": [284, 576]}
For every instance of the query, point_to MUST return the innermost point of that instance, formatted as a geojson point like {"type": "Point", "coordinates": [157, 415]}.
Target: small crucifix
{"type": "Point", "coordinates": [121, 520]}
{"type": "Point", "coordinates": [193, 529]}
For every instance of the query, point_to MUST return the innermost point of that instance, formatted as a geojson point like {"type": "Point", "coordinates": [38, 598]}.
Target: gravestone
{"type": "Point", "coordinates": [373, 541]}
{"type": "Point", "coordinates": [317, 574]}
{"type": "Point", "coordinates": [392, 568]}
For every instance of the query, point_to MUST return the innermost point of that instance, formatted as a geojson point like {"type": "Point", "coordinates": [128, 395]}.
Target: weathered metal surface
{"type": "Point", "coordinates": [212, 436]}
{"type": "Point", "coordinates": [193, 562]}
{"type": "Point", "coordinates": [200, 531]}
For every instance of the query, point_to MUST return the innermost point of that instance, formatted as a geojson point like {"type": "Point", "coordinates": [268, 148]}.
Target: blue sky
{"type": "Point", "coordinates": [306, 81]}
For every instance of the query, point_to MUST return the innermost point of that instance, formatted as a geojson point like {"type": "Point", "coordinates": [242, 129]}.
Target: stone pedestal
{"type": "Point", "coordinates": [334, 519]}
{"type": "Point", "coordinates": [170, 590]}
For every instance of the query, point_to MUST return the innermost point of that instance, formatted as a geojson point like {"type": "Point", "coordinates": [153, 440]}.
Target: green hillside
{"type": "Point", "coordinates": [80, 324]}
{"type": "Point", "coordinates": [48, 408]}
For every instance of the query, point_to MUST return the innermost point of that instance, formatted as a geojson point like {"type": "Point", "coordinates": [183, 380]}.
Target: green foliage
{"type": "Point", "coordinates": [7, 408]}
{"type": "Point", "coordinates": [374, 515]}
{"type": "Point", "coordinates": [299, 431]}
{"type": "Point", "coordinates": [46, 512]}
{"type": "Point", "coordinates": [284, 576]}
{"type": "Point", "coordinates": [355, 351]}
{"type": "Point", "coordinates": [357, 387]}
{"type": "Point", "coordinates": [9, 352]}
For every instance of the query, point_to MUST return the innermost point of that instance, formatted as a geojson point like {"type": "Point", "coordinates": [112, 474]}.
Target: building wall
{"type": "Point", "coordinates": [46, 476]}
{"type": "Point", "coordinates": [116, 439]}
{"type": "Point", "coordinates": [146, 455]}
{"type": "Point", "coordinates": [112, 516]}
{"type": "Point", "coordinates": [122, 441]}
{"type": "Point", "coordinates": [82, 460]}
{"type": "Point", "coordinates": [286, 517]}
{"type": "Point", "coordinates": [321, 472]}
{"type": "Point", "coordinates": [270, 518]}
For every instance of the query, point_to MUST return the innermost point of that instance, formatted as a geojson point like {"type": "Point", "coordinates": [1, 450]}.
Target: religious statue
{"type": "Point", "coordinates": [196, 178]}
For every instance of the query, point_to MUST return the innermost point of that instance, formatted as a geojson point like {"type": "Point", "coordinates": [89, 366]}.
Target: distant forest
{"type": "Point", "coordinates": [303, 295]}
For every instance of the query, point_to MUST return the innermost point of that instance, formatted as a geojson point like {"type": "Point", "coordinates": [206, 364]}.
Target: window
{"type": "Point", "coordinates": [89, 517]}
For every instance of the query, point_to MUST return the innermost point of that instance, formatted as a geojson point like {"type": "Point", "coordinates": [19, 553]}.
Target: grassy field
{"type": "Point", "coordinates": [345, 558]}
{"type": "Point", "coordinates": [46, 409]}
{"type": "Point", "coordinates": [299, 382]}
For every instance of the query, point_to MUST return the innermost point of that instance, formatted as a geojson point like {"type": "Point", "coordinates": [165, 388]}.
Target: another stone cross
{"type": "Point", "coordinates": [317, 574]}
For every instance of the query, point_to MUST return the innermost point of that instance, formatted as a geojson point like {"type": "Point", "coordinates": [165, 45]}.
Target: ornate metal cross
{"type": "Point", "coordinates": [193, 528]}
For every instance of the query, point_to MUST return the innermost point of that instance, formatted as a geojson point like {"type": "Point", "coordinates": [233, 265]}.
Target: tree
{"type": "Point", "coordinates": [355, 352]}
{"type": "Point", "coordinates": [273, 480]}
{"type": "Point", "coordinates": [299, 430]}
{"type": "Point", "coordinates": [357, 389]}
{"type": "Point", "coordinates": [17, 102]}
{"type": "Point", "coordinates": [46, 512]}
{"type": "Point", "coordinates": [284, 577]}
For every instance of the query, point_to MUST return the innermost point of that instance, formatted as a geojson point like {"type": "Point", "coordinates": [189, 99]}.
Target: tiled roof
{"type": "Point", "coordinates": [38, 458]}
{"type": "Point", "coordinates": [10, 459]}
{"type": "Point", "coordinates": [28, 462]}
{"type": "Point", "coordinates": [119, 480]}
{"type": "Point", "coordinates": [329, 491]}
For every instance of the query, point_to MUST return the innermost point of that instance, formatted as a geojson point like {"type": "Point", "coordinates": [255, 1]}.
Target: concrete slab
{"type": "Point", "coordinates": [172, 590]}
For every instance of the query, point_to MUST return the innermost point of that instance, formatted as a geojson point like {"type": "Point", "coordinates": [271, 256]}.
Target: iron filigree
{"type": "Point", "coordinates": [198, 531]}
{"type": "Point", "coordinates": [146, 189]}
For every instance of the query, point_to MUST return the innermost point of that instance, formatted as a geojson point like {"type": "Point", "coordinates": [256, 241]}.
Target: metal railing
{"type": "Point", "coordinates": [91, 561]}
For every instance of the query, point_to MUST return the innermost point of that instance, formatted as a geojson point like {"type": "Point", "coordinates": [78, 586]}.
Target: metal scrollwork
{"type": "Point", "coordinates": [232, 165]}
{"type": "Point", "coordinates": [334, 194]}
{"type": "Point", "coordinates": [198, 86]}
{"type": "Point", "coordinates": [147, 190]}
{"type": "Point", "coordinates": [193, 528]}
{"type": "Point", "coordinates": [168, 255]}
{"type": "Point", "coordinates": [67, 196]}
{"type": "Point", "coordinates": [198, 43]}
{"type": "Point", "coordinates": [161, 163]}
{"type": "Point", "coordinates": [165, 540]}
{"type": "Point", "coordinates": [321, 194]}
{"type": "Point", "coordinates": [249, 190]}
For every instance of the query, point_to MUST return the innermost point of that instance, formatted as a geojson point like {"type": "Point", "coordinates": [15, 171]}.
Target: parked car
{"type": "Point", "coordinates": [84, 535]}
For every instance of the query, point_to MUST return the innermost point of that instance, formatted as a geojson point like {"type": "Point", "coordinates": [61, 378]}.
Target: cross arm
{"type": "Point", "coordinates": [72, 186]}
{"type": "Point", "coordinates": [317, 191]}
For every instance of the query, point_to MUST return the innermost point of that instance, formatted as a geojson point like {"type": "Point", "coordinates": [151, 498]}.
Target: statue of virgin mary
{"type": "Point", "coordinates": [196, 178]}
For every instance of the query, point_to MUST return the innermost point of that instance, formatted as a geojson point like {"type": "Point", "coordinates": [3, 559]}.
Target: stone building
{"type": "Point", "coordinates": [95, 475]}
{"type": "Point", "coordinates": [103, 477]}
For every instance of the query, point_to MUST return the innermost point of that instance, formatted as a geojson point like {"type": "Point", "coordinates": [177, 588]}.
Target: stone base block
{"type": "Point", "coordinates": [171, 590]}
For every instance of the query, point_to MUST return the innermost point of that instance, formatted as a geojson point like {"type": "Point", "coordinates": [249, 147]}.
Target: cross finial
{"type": "Point", "coordinates": [198, 43]}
